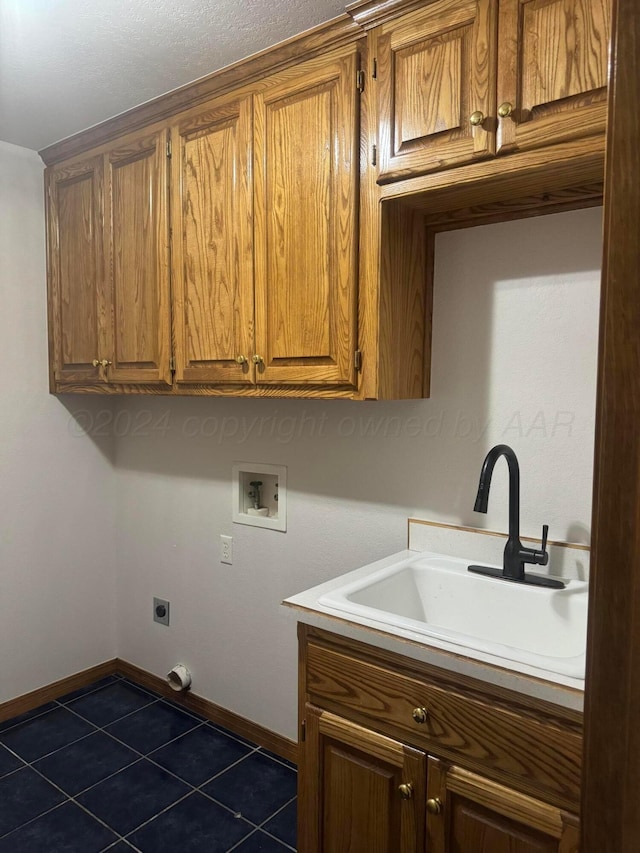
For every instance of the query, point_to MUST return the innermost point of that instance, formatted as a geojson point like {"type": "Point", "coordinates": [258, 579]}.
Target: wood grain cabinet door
{"type": "Point", "coordinates": [76, 271]}
{"type": "Point", "coordinates": [139, 333]}
{"type": "Point", "coordinates": [306, 172]}
{"type": "Point", "coordinates": [360, 792]}
{"type": "Point", "coordinates": [467, 813]}
{"type": "Point", "coordinates": [436, 73]}
{"type": "Point", "coordinates": [212, 221]}
{"type": "Point", "coordinates": [552, 73]}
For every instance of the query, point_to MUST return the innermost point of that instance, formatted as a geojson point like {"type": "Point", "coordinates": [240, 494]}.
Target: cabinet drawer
{"type": "Point", "coordinates": [538, 757]}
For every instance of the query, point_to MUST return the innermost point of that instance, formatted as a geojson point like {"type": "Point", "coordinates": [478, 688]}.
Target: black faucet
{"type": "Point", "coordinates": [515, 554]}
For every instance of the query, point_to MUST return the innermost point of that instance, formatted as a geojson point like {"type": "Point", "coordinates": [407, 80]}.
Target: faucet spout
{"type": "Point", "coordinates": [482, 499]}
{"type": "Point", "coordinates": [515, 554]}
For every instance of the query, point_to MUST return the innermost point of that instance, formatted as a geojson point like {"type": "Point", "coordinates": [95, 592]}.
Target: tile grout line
{"type": "Point", "coordinates": [260, 828]}
{"type": "Point", "coordinates": [157, 698]}
{"type": "Point", "coordinates": [239, 844]}
{"type": "Point", "coordinates": [140, 756]}
{"type": "Point", "coordinates": [120, 841]}
{"type": "Point", "coordinates": [264, 822]}
{"type": "Point", "coordinates": [268, 754]}
{"type": "Point", "coordinates": [277, 811]}
{"type": "Point", "coordinates": [29, 719]}
{"type": "Point", "coordinates": [198, 790]}
{"type": "Point", "coordinates": [147, 757]}
{"type": "Point", "coordinates": [56, 702]}
{"type": "Point", "coordinates": [70, 798]}
{"type": "Point", "coordinates": [193, 790]}
{"type": "Point", "coordinates": [11, 772]}
{"type": "Point", "coordinates": [266, 832]}
{"type": "Point", "coordinates": [154, 816]}
{"type": "Point", "coordinates": [80, 717]}
{"type": "Point", "coordinates": [58, 806]}
{"type": "Point", "coordinates": [200, 724]}
{"type": "Point", "coordinates": [218, 726]}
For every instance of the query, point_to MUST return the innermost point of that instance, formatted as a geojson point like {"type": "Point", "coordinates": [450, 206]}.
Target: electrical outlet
{"type": "Point", "coordinates": [226, 549]}
{"type": "Point", "coordinates": [161, 611]}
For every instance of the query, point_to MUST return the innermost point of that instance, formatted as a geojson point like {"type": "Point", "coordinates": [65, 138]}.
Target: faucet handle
{"type": "Point", "coordinates": [543, 555]}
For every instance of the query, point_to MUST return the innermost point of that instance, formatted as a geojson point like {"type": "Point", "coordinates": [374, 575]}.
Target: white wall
{"type": "Point", "coordinates": [57, 575]}
{"type": "Point", "coordinates": [514, 360]}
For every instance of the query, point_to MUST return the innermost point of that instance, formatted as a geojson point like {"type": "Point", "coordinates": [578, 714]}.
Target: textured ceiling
{"type": "Point", "coordinates": [68, 64]}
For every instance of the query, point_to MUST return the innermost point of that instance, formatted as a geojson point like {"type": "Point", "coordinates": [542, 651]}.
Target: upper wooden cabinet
{"type": "Point", "coordinates": [108, 266]}
{"type": "Point", "coordinates": [552, 70]}
{"type": "Point", "coordinates": [265, 193]}
{"type": "Point", "coordinates": [464, 79]}
{"type": "Point", "coordinates": [306, 202]}
{"type": "Point", "coordinates": [250, 234]}
{"type": "Point", "coordinates": [264, 233]}
{"type": "Point", "coordinates": [138, 338]}
{"type": "Point", "coordinates": [212, 221]}
{"type": "Point", "coordinates": [76, 274]}
{"type": "Point", "coordinates": [436, 68]}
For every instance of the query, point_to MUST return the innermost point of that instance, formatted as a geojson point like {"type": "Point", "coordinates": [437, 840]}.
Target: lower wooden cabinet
{"type": "Point", "coordinates": [368, 784]}
{"type": "Point", "coordinates": [467, 813]}
{"type": "Point", "coordinates": [363, 792]}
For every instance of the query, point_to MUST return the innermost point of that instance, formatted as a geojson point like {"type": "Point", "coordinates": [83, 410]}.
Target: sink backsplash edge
{"type": "Point", "coordinates": [566, 559]}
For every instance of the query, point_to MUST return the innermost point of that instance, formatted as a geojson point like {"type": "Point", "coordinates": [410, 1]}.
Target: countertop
{"type": "Point", "coordinates": [562, 690]}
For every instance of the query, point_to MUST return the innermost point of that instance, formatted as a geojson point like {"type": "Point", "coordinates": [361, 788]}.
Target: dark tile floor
{"type": "Point", "coordinates": [115, 767]}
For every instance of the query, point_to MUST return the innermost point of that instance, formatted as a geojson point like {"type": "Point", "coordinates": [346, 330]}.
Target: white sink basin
{"type": "Point", "coordinates": [437, 597]}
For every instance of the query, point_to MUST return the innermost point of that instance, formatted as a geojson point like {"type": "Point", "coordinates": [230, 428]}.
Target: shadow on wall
{"type": "Point", "coordinates": [514, 361]}
{"type": "Point", "coordinates": [93, 416]}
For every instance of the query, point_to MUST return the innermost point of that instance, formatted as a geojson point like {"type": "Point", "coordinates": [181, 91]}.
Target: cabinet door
{"type": "Point", "coordinates": [436, 68]}
{"type": "Point", "coordinates": [553, 68]}
{"type": "Point", "coordinates": [76, 271]}
{"type": "Point", "coordinates": [360, 792]}
{"type": "Point", "coordinates": [306, 170]}
{"type": "Point", "coordinates": [469, 814]}
{"type": "Point", "coordinates": [139, 334]}
{"type": "Point", "coordinates": [213, 243]}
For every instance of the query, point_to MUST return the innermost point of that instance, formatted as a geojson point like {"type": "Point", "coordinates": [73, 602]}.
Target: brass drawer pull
{"type": "Point", "coordinates": [406, 790]}
{"type": "Point", "coordinates": [241, 359]}
{"type": "Point", "coordinates": [434, 806]}
{"type": "Point", "coordinates": [420, 715]}
{"type": "Point", "coordinates": [257, 359]}
{"type": "Point", "coordinates": [477, 118]}
{"type": "Point", "coordinates": [96, 362]}
{"type": "Point", "coordinates": [105, 363]}
{"type": "Point", "coordinates": [505, 110]}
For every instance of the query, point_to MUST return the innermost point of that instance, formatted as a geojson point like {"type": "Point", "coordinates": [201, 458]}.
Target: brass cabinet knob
{"type": "Point", "coordinates": [420, 715]}
{"type": "Point", "coordinates": [434, 805]}
{"type": "Point", "coordinates": [257, 359]}
{"type": "Point", "coordinates": [105, 362]}
{"type": "Point", "coordinates": [241, 359]}
{"type": "Point", "coordinates": [406, 790]}
{"type": "Point", "coordinates": [95, 362]}
{"type": "Point", "coordinates": [505, 110]}
{"type": "Point", "coordinates": [477, 118]}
